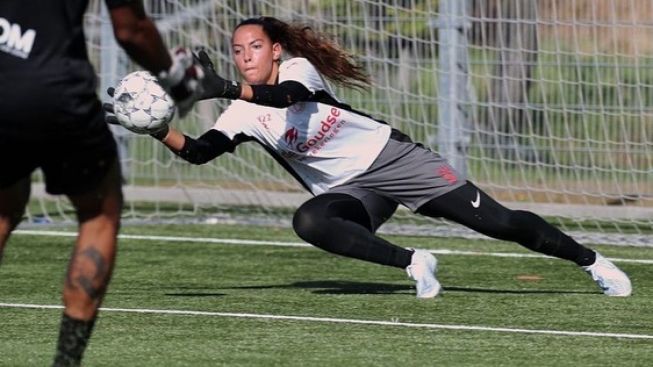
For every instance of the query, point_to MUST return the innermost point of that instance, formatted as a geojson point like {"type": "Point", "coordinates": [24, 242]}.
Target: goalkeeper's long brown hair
{"type": "Point", "coordinates": [331, 60]}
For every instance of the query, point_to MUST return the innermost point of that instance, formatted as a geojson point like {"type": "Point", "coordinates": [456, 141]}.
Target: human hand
{"type": "Point", "coordinates": [213, 85]}
{"type": "Point", "coordinates": [184, 80]}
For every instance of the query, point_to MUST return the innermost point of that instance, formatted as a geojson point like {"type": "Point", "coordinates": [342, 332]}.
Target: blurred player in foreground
{"type": "Point", "coordinates": [51, 118]}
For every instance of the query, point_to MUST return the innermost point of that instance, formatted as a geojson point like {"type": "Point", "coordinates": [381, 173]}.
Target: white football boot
{"type": "Point", "coordinates": [422, 269]}
{"type": "Point", "coordinates": [611, 280]}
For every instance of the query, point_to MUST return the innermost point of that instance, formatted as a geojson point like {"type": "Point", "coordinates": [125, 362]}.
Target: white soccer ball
{"type": "Point", "coordinates": [140, 103]}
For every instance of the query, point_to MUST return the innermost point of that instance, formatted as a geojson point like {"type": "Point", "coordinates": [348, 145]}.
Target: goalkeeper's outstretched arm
{"type": "Point", "coordinates": [196, 151]}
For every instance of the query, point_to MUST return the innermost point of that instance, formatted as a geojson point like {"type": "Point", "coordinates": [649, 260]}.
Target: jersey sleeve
{"type": "Point", "coordinates": [301, 70]}
{"type": "Point", "coordinates": [233, 121]}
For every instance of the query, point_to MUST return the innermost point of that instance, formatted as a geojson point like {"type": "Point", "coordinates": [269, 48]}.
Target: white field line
{"type": "Point", "coordinates": [345, 321]}
{"type": "Point", "coordinates": [230, 241]}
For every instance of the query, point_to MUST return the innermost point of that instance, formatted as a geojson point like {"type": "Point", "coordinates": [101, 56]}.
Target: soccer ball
{"type": "Point", "coordinates": [140, 103]}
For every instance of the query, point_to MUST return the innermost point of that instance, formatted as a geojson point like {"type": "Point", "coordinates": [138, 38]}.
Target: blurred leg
{"type": "Point", "coordinates": [91, 264]}
{"type": "Point", "coordinates": [12, 206]}
{"type": "Point", "coordinates": [90, 267]}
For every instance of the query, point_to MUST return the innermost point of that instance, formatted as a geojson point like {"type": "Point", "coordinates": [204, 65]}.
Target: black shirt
{"type": "Point", "coordinates": [44, 68]}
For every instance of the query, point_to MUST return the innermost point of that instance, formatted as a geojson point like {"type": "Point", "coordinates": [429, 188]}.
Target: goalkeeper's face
{"type": "Point", "coordinates": [255, 55]}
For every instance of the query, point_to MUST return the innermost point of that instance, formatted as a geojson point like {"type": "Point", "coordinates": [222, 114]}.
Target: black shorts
{"type": "Point", "coordinates": [73, 159]}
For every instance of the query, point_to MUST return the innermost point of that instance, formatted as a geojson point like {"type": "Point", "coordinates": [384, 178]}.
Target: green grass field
{"type": "Point", "coordinates": [185, 301]}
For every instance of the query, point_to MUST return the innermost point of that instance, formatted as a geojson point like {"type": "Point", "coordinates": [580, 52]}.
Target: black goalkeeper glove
{"type": "Point", "coordinates": [213, 85]}
{"type": "Point", "coordinates": [109, 114]}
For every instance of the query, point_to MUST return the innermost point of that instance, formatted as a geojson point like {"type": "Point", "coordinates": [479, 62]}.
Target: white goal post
{"type": "Point", "coordinates": [545, 104]}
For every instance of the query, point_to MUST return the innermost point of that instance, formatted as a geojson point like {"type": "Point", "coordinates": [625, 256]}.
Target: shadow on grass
{"type": "Point", "coordinates": [349, 287]}
{"type": "Point", "coordinates": [337, 287]}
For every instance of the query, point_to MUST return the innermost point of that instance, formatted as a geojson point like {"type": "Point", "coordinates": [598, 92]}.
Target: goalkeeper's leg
{"type": "Point", "coordinates": [91, 265]}
{"type": "Point", "coordinates": [345, 225]}
{"type": "Point", "coordinates": [341, 224]}
{"type": "Point", "coordinates": [471, 207]}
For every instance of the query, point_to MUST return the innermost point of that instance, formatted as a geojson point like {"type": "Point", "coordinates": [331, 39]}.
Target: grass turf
{"type": "Point", "coordinates": [520, 293]}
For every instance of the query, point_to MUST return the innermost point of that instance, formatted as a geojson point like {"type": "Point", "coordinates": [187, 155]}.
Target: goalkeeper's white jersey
{"type": "Point", "coordinates": [324, 144]}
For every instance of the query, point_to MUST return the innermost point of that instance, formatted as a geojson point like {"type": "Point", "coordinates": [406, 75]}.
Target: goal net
{"type": "Point", "coordinates": [547, 105]}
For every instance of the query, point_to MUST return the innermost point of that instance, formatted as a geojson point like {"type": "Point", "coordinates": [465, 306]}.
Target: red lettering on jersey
{"type": "Point", "coordinates": [447, 173]}
{"type": "Point", "coordinates": [291, 136]}
{"type": "Point", "coordinates": [325, 126]}
{"type": "Point", "coordinates": [264, 118]}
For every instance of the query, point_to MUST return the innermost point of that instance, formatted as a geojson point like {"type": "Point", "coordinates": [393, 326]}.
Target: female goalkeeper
{"type": "Point", "coordinates": [359, 169]}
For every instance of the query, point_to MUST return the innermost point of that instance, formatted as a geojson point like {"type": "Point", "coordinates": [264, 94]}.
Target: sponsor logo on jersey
{"type": "Point", "coordinates": [447, 173]}
{"type": "Point", "coordinates": [291, 136]}
{"type": "Point", "coordinates": [264, 119]}
{"type": "Point", "coordinates": [329, 126]}
{"type": "Point", "coordinates": [14, 41]}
